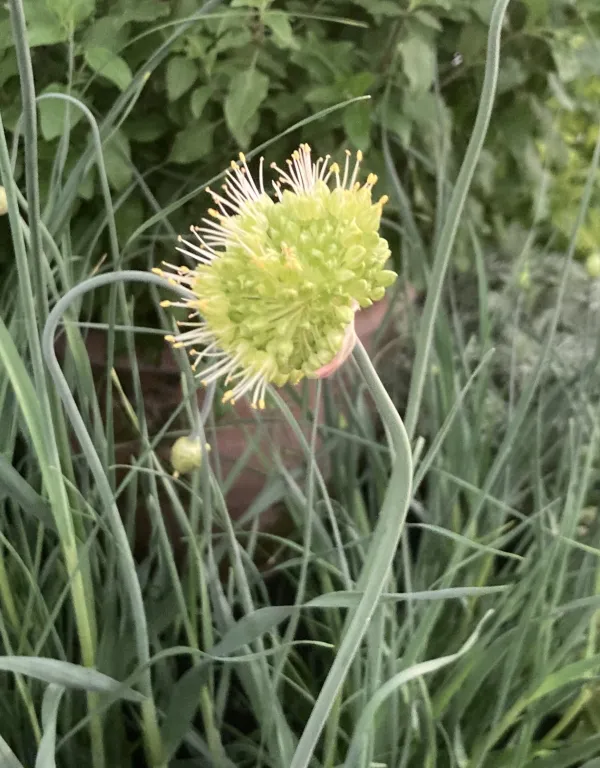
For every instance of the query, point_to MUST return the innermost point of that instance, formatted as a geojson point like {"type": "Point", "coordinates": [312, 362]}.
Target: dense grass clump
{"type": "Point", "coordinates": [417, 587]}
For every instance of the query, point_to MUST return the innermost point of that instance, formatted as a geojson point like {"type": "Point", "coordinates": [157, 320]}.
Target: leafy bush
{"type": "Point", "coordinates": [569, 148]}
{"type": "Point", "coordinates": [252, 68]}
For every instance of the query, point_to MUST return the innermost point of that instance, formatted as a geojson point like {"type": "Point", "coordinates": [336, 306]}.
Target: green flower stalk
{"type": "Point", "coordinates": [278, 280]}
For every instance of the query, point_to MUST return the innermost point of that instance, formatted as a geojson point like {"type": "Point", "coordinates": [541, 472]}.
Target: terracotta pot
{"type": "Point", "coordinates": [160, 381]}
{"type": "Point", "coordinates": [272, 429]}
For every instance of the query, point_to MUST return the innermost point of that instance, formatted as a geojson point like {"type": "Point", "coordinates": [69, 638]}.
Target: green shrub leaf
{"type": "Point", "coordinates": [144, 130]}
{"type": "Point", "coordinates": [8, 66]}
{"type": "Point", "coordinates": [43, 26]}
{"type": "Point", "coordinates": [144, 10]}
{"type": "Point", "coordinates": [357, 124]}
{"type": "Point", "coordinates": [109, 32]}
{"type": "Point", "coordinates": [117, 154]}
{"type": "Point", "coordinates": [71, 13]}
{"type": "Point", "coordinates": [181, 75]}
{"type": "Point", "coordinates": [193, 143]}
{"type": "Point", "coordinates": [419, 60]}
{"type": "Point", "coordinates": [199, 99]}
{"type": "Point", "coordinates": [247, 92]}
{"type": "Point", "coordinates": [52, 113]}
{"type": "Point", "coordinates": [109, 65]}
{"type": "Point", "coordinates": [260, 4]}
{"type": "Point", "coordinates": [283, 35]}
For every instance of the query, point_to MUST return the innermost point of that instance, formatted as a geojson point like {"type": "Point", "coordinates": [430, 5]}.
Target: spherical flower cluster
{"type": "Point", "coordinates": [277, 280]}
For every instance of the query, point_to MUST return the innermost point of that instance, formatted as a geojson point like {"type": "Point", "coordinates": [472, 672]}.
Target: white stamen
{"type": "Point", "coordinates": [346, 169]}
{"type": "Point", "coordinates": [356, 169]}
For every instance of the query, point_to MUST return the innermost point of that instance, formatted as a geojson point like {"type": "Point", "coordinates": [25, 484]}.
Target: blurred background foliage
{"type": "Point", "coordinates": [253, 68]}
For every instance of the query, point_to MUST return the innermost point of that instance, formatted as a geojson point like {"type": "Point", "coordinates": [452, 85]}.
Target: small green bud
{"type": "Point", "coordinates": [186, 455]}
{"type": "Point", "coordinates": [592, 264]}
{"type": "Point", "coordinates": [525, 279]}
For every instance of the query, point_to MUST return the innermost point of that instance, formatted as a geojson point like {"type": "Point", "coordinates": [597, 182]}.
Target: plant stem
{"type": "Point", "coordinates": [377, 564]}
{"type": "Point", "coordinates": [451, 224]}
{"type": "Point", "coordinates": [152, 736]}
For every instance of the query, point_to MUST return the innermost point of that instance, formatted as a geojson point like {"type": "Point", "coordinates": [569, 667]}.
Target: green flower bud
{"type": "Point", "coordinates": [592, 264]}
{"type": "Point", "coordinates": [525, 279]}
{"type": "Point", "coordinates": [186, 455]}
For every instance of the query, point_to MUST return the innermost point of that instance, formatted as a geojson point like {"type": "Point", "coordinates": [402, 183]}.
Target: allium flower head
{"type": "Point", "coordinates": [278, 280]}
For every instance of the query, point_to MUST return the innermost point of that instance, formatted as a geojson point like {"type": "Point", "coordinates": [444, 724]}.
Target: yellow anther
{"type": "Point", "coordinates": [383, 200]}
{"type": "Point", "coordinates": [170, 338]}
{"type": "Point", "coordinates": [158, 271]}
{"type": "Point", "coordinates": [242, 157]}
{"type": "Point", "coordinates": [165, 303]}
{"type": "Point", "coordinates": [359, 156]}
{"type": "Point", "coordinates": [335, 168]}
{"type": "Point", "coordinates": [261, 405]}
